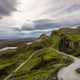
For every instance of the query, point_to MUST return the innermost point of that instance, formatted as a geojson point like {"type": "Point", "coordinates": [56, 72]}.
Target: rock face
{"type": "Point", "coordinates": [68, 40]}
{"type": "Point", "coordinates": [69, 46]}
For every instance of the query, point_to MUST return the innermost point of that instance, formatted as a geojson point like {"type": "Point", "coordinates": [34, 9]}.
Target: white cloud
{"type": "Point", "coordinates": [58, 12]}
{"type": "Point", "coordinates": [40, 9]}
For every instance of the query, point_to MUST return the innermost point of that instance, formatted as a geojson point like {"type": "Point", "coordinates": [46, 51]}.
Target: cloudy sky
{"type": "Point", "coordinates": [31, 18]}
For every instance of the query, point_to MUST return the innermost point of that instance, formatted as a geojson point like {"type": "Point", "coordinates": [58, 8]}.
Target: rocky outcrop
{"type": "Point", "coordinates": [67, 40]}
{"type": "Point", "coordinates": [69, 46]}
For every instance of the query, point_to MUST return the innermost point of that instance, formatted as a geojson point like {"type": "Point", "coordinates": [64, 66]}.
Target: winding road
{"type": "Point", "coordinates": [69, 72]}
{"type": "Point", "coordinates": [66, 73]}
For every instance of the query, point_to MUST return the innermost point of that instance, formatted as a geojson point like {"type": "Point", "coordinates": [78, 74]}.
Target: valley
{"type": "Point", "coordinates": [46, 58]}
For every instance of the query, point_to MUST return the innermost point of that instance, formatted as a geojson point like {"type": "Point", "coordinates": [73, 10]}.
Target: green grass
{"type": "Point", "coordinates": [5, 65]}
{"type": "Point", "coordinates": [41, 65]}
{"type": "Point", "coordinates": [68, 31]}
{"type": "Point", "coordinates": [11, 59]}
{"type": "Point", "coordinates": [74, 37]}
{"type": "Point", "coordinates": [55, 40]}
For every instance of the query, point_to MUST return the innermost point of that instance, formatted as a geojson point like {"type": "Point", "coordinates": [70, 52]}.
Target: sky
{"type": "Point", "coordinates": [31, 18]}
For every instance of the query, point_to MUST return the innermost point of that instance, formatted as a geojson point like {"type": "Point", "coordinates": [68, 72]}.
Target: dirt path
{"type": "Point", "coordinates": [69, 72]}
{"type": "Point", "coordinates": [22, 64]}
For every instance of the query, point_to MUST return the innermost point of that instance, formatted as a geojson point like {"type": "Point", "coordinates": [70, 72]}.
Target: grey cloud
{"type": "Point", "coordinates": [62, 7]}
{"type": "Point", "coordinates": [40, 25]}
{"type": "Point", "coordinates": [69, 9]}
{"type": "Point", "coordinates": [60, 13]}
{"type": "Point", "coordinates": [6, 7]}
{"type": "Point", "coordinates": [49, 24]}
{"type": "Point", "coordinates": [73, 7]}
{"type": "Point", "coordinates": [14, 33]}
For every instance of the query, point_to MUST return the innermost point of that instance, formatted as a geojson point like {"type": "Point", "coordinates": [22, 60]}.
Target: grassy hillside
{"type": "Point", "coordinates": [44, 63]}
{"type": "Point", "coordinates": [70, 43]}
{"type": "Point", "coordinates": [41, 65]}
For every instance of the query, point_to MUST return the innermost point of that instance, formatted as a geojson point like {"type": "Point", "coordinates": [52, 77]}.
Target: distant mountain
{"type": "Point", "coordinates": [43, 36]}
